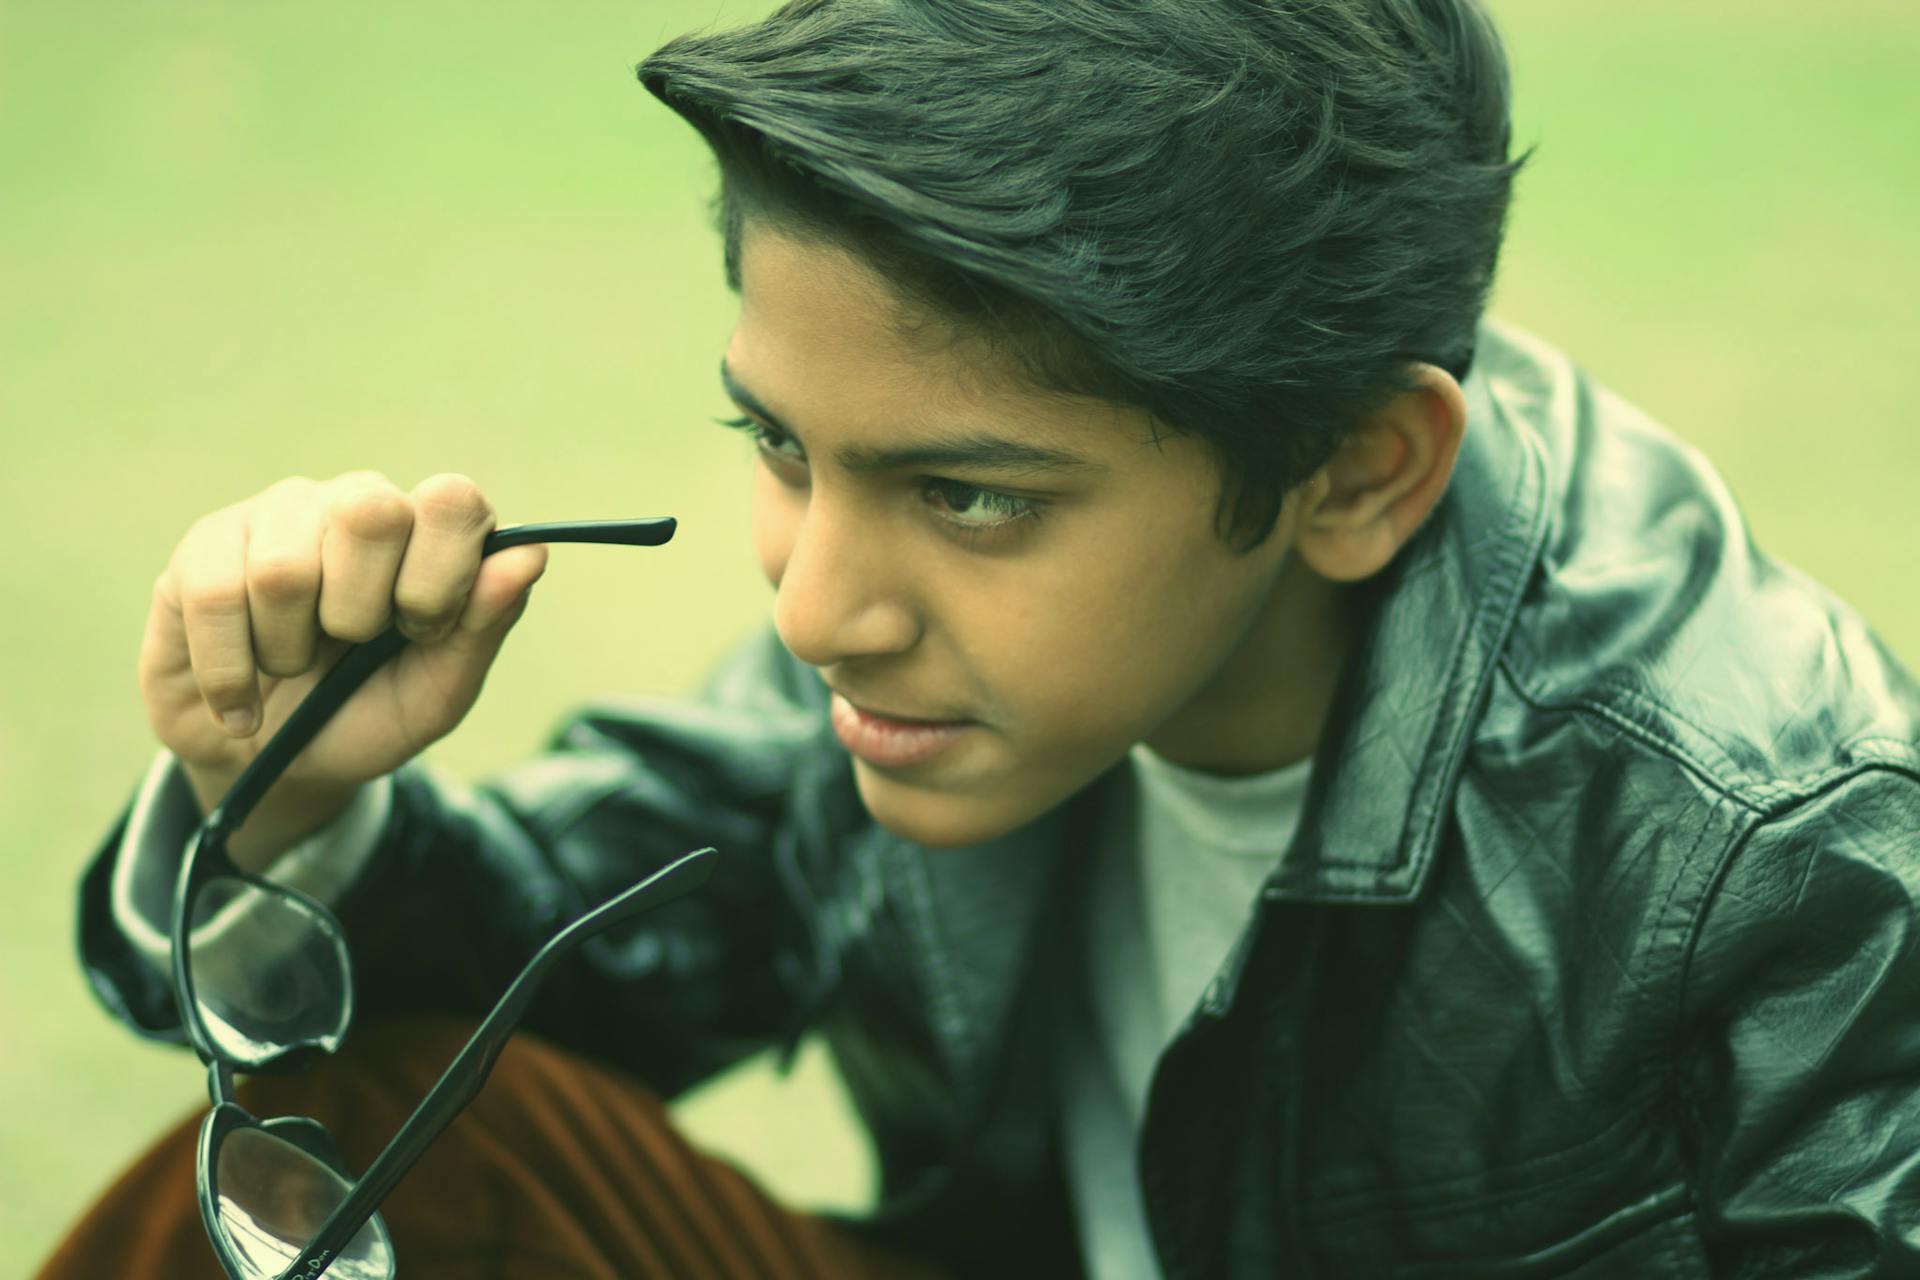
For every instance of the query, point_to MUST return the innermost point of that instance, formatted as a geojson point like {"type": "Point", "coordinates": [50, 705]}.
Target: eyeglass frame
{"type": "Point", "coordinates": [206, 859]}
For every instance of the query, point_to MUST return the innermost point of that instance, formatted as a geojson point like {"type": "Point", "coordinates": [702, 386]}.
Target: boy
{"type": "Point", "coordinates": [1254, 771]}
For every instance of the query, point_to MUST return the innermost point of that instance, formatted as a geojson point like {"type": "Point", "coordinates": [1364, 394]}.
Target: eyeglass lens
{"type": "Point", "coordinates": [273, 1198]}
{"type": "Point", "coordinates": [269, 973]}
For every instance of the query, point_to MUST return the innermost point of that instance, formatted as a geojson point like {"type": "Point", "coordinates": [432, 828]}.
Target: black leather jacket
{"type": "Point", "coordinates": [1597, 951]}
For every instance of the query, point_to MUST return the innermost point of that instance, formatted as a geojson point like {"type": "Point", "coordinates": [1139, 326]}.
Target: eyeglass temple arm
{"type": "Point", "coordinates": [362, 660]}
{"type": "Point", "coordinates": [469, 1069]}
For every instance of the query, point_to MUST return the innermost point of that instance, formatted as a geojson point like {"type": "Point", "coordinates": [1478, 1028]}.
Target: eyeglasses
{"type": "Point", "coordinates": [262, 978]}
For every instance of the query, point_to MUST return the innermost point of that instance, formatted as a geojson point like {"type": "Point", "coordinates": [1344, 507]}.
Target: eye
{"type": "Point", "coordinates": [975, 508]}
{"type": "Point", "coordinates": [773, 443]}
{"type": "Point", "coordinates": [969, 510]}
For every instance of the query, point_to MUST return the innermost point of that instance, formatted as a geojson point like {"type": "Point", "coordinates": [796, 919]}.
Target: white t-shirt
{"type": "Point", "coordinates": [1175, 881]}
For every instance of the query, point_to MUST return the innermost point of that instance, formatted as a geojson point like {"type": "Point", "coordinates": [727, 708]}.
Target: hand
{"type": "Point", "coordinates": [260, 598]}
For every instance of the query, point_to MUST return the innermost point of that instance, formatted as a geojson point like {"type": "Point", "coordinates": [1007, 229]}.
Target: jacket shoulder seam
{"type": "Point", "coordinates": [1759, 796]}
{"type": "Point", "coordinates": [1638, 730]}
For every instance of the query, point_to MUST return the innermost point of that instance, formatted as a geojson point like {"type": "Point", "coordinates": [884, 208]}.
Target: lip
{"type": "Point", "coordinates": [892, 741]}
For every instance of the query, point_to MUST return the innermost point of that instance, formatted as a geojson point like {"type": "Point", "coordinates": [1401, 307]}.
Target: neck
{"type": "Point", "coordinates": [1266, 705]}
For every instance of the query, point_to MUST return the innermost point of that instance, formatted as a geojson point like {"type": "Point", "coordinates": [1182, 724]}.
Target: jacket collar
{"type": "Point", "coordinates": [1437, 617]}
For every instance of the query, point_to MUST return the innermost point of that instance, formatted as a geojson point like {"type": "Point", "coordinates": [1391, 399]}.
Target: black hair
{"type": "Point", "coordinates": [1245, 216]}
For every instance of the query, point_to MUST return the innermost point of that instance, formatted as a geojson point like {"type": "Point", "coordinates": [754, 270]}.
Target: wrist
{"type": "Point", "coordinates": [291, 810]}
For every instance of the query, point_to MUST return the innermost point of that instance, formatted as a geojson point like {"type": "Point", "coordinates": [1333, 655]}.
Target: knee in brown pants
{"type": "Point", "coordinates": [561, 1167]}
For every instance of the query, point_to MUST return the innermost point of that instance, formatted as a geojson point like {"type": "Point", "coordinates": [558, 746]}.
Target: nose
{"type": "Point", "coordinates": [841, 589]}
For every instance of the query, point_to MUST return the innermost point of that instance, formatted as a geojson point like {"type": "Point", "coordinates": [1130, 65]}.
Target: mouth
{"type": "Point", "coordinates": [892, 741]}
{"type": "Point", "coordinates": [896, 717]}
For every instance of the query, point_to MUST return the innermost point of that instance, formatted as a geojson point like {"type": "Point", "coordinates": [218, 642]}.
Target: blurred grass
{"type": "Point", "coordinates": [243, 241]}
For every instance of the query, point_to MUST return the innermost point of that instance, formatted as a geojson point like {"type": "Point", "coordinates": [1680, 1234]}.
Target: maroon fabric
{"type": "Point", "coordinates": [562, 1167]}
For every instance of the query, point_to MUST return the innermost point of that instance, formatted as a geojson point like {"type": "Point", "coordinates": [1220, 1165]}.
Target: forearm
{"type": "Point", "coordinates": [470, 882]}
{"type": "Point", "coordinates": [289, 813]}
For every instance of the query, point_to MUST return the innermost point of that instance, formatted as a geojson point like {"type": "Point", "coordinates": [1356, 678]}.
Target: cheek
{"type": "Point", "coordinates": [1117, 648]}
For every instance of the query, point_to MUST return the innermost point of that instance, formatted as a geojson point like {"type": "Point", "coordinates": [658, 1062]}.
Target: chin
{"type": "Point", "coordinates": [936, 819]}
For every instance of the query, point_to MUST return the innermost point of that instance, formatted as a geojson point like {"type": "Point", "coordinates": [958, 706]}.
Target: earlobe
{"type": "Point", "coordinates": [1371, 498]}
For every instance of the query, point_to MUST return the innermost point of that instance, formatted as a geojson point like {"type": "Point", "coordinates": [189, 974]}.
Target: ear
{"type": "Point", "coordinates": [1362, 507]}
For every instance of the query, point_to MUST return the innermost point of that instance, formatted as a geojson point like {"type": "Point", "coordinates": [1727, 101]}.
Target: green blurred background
{"type": "Point", "coordinates": [240, 241]}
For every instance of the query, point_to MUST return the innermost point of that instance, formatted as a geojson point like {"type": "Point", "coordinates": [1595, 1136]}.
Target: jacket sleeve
{"type": "Point", "coordinates": [1804, 1081]}
{"type": "Point", "coordinates": [468, 881]}
{"type": "Point", "coordinates": [164, 814]}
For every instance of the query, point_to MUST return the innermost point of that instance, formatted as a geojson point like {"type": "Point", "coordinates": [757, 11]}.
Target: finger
{"type": "Point", "coordinates": [163, 648]}
{"type": "Point", "coordinates": [451, 518]}
{"type": "Point", "coordinates": [284, 531]}
{"type": "Point", "coordinates": [209, 578]}
{"type": "Point", "coordinates": [165, 667]}
{"type": "Point", "coordinates": [368, 522]}
{"type": "Point", "coordinates": [499, 593]}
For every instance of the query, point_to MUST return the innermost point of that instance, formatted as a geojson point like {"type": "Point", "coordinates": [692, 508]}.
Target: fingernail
{"type": "Point", "coordinates": [239, 721]}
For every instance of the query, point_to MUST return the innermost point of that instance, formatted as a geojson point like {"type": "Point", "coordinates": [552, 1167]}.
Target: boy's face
{"type": "Point", "coordinates": [1049, 610]}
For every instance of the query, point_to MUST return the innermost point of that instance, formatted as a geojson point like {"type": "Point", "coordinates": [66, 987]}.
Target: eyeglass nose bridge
{"type": "Point", "coordinates": [220, 1083]}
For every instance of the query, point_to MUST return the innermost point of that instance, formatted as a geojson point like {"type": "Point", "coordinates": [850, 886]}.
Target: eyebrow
{"type": "Point", "coordinates": [946, 450]}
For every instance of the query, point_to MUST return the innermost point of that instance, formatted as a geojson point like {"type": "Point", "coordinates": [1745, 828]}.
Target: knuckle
{"type": "Point", "coordinates": [290, 487]}
{"type": "Point", "coordinates": [209, 530]}
{"type": "Point", "coordinates": [224, 685]}
{"type": "Point", "coordinates": [285, 664]}
{"type": "Point", "coordinates": [215, 598]}
{"type": "Point", "coordinates": [376, 513]}
{"type": "Point", "coordinates": [424, 629]}
{"type": "Point", "coordinates": [355, 624]}
{"type": "Point", "coordinates": [283, 579]}
{"type": "Point", "coordinates": [421, 607]}
{"type": "Point", "coordinates": [453, 501]}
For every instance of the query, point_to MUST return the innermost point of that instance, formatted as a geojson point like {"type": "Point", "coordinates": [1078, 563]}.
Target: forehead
{"type": "Point", "coordinates": [816, 305]}
{"type": "Point", "coordinates": [824, 343]}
